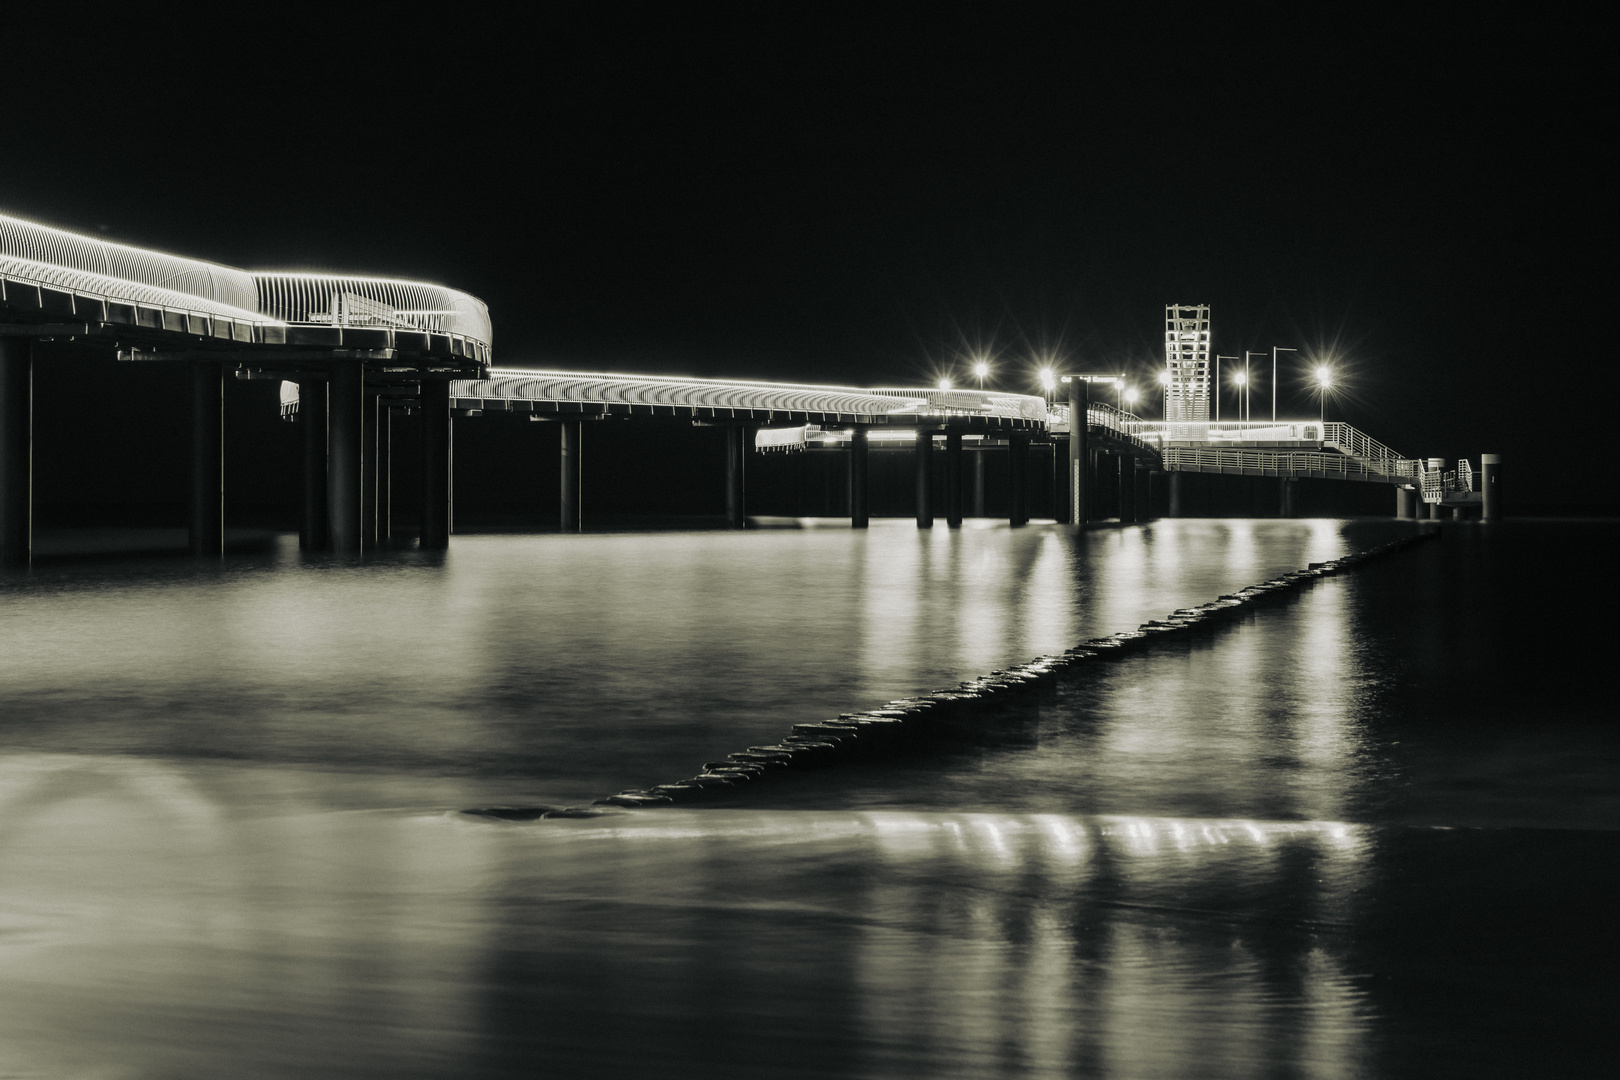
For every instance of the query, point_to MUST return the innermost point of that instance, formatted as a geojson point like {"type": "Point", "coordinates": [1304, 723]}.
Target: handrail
{"type": "Point", "coordinates": [337, 300]}
{"type": "Point", "coordinates": [1276, 463]}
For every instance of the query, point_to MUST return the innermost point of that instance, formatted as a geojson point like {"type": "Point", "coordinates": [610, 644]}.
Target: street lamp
{"type": "Point", "coordinates": [1241, 380]}
{"type": "Point", "coordinates": [1131, 394]}
{"type": "Point", "coordinates": [1324, 382]}
{"type": "Point", "coordinates": [1119, 394]}
{"type": "Point", "coordinates": [980, 370]}
{"type": "Point", "coordinates": [1048, 381]}
{"type": "Point", "coordinates": [1274, 351]}
{"type": "Point", "coordinates": [1164, 381]}
{"type": "Point", "coordinates": [945, 384]}
{"type": "Point", "coordinates": [1218, 360]}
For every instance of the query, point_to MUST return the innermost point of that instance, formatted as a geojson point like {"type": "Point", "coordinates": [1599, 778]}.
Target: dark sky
{"type": "Point", "coordinates": [864, 194]}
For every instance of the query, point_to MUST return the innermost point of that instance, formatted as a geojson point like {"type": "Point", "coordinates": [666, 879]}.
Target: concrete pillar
{"type": "Point", "coordinates": [859, 508]}
{"type": "Point", "coordinates": [925, 479]}
{"type": "Point", "coordinates": [572, 461]}
{"type": "Point", "coordinates": [1404, 498]}
{"type": "Point", "coordinates": [207, 531]}
{"type": "Point", "coordinates": [370, 474]}
{"type": "Point", "coordinates": [345, 474]}
{"type": "Point", "coordinates": [16, 451]}
{"type": "Point", "coordinates": [1144, 491]}
{"type": "Point", "coordinates": [978, 481]}
{"type": "Point", "coordinates": [438, 465]}
{"type": "Point", "coordinates": [1079, 451]}
{"type": "Point", "coordinates": [312, 529]}
{"type": "Point", "coordinates": [1490, 471]}
{"type": "Point", "coordinates": [1287, 497]}
{"type": "Point", "coordinates": [1177, 497]}
{"type": "Point", "coordinates": [1062, 512]}
{"type": "Point", "coordinates": [385, 474]}
{"type": "Point", "coordinates": [737, 439]}
{"type": "Point", "coordinates": [1018, 477]}
{"type": "Point", "coordinates": [953, 480]}
{"type": "Point", "coordinates": [1127, 488]}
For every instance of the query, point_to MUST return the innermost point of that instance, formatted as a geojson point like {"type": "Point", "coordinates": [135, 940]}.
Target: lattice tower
{"type": "Point", "coordinates": [1186, 357]}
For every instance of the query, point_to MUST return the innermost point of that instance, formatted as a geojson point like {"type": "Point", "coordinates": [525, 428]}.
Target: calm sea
{"type": "Point", "coordinates": [1371, 832]}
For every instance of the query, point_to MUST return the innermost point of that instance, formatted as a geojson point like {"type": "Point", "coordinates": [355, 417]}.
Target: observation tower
{"type": "Point", "coordinates": [1186, 358]}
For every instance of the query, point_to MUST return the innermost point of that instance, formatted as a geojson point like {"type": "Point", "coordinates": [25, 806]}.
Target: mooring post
{"type": "Point", "coordinates": [925, 479]}
{"type": "Point", "coordinates": [953, 479]}
{"type": "Point", "coordinates": [16, 451]}
{"type": "Point", "coordinates": [437, 464]}
{"type": "Point", "coordinates": [859, 510]}
{"type": "Point", "coordinates": [1018, 477]}
{"type": "Point", "coordinates": [207, 531]}
{"type": "Point", "coordinates": [1079, 450]}
{"type": "Point", "coordinates": [1490, 471]}
{"type": "Point", "coordinates": [312, 422]}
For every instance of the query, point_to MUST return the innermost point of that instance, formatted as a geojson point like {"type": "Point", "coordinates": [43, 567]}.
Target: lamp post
{"type": "Point", "coordinates": [1242, 380]}
{"type": "Point", "coordinates": [1218, 360]}
{"type": "Point", "coordinates": [1048, 382]}
{"type": "Point", "coordinates": [980, 370]}
{"type": "Point", "coordinates": [1164, 381]}
{"type": "Point", "coordinates": [1274, 351]}
{"type": "Point", "coordinates": [945, 384]}
{"type": "Point", "coordinates": [1324, 382]}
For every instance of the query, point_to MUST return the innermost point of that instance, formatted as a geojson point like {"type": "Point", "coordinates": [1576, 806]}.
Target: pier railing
{"type": "Point", "coordinates": [1333, 466]}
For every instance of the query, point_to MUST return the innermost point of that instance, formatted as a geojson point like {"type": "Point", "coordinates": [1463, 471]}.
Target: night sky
{"type": "Point", "coordinates": [843, 194]}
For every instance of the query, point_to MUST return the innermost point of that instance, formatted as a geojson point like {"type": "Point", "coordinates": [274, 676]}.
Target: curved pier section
{"type": "Point", "coordinates": [731, 399]}
{"type": "Point", "coordinates": [376, 313]}
{"type": "Point", "coordinates": [971, 707]}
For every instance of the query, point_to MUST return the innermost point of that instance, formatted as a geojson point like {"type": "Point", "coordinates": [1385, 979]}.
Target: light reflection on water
{"type": "Point", "coordinates": [224, 837]}
{"type": "Point", "coordinates": [918, 943]}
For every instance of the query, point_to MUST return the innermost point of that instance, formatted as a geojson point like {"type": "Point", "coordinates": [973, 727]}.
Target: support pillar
{"type": "Point", "coordinates": [385, 474]}
{"type": "Point", "coordinates": [1079, 451]}
{"type": "Point", "coordinates": [438, 451]}
{"type": "Point", "coordinates": [859, 509]}
{"type": "Point", "coordinates": [16, 451]}
{"type": "Point", "coordinates": [1127, 488]}
{"type": "Point", "coordinates": [569, 517]}
{"type": "Point", "coordinates": [312, 529]}
{"type": "Point", "coordinates": [207, 532]}
{"type": "Point", "coordinates": [371, 475]}
{"type": "Point", "coordinates": [925, 479]}
{"type": "Point", "coordinates": [1143, 506]}
{"type": "Point", "coordinates": [1018, 475]}
{"type": "Point", "coordinates": [1490, 471]}
{"type": "Point", "coordinates": [1177, 497]}
{"type": "Point", "coordinates": [736, 492]}
{"type": "Point", "coordinates": [1062, 512]}
{"type": "Point", "coordinates": [953, 480]}
{"type": "Point", "coordinates": [345, 477]}
{"type": "Point", "coordinates": [1287, 497]}
{"type": "Point", "coordinates": [978, 480]}
{"type": "Point", "coordinates": [1405, 503]}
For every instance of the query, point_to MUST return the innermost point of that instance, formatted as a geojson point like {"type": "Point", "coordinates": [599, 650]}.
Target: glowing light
{"type": "Point", "coordinates": [944, 384]}
{"type": "Point", "coordinates": [1132, 394]}
{"type": "Point", "coordinates": [981, 369]}
{"type": "Point", "coordinates": [1048, 378]}
{"type": "Point", "coordinates": [1324, 378]}
{"type": "Point", "coordinates": [1164, 377]}
{"type": "Point", "coordinates": [1240, 378]}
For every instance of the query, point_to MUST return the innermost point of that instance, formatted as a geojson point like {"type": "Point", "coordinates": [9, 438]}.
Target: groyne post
{"type": "Point", "coordinates": [207, 519]}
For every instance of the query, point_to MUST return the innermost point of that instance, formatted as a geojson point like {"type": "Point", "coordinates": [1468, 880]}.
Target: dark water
{"type": "Point", "coordinates": [1371, 833]}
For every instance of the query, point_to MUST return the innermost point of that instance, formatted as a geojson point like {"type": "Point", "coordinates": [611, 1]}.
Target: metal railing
{"type": "Point", "coordinates": [332, 300]}
{"type": "Point", "coordinates": [519, 385]}
{"type": "Point", "coordinates": [1276, 463]}
{"type": "Point", "coordinates": [1435, 484]}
